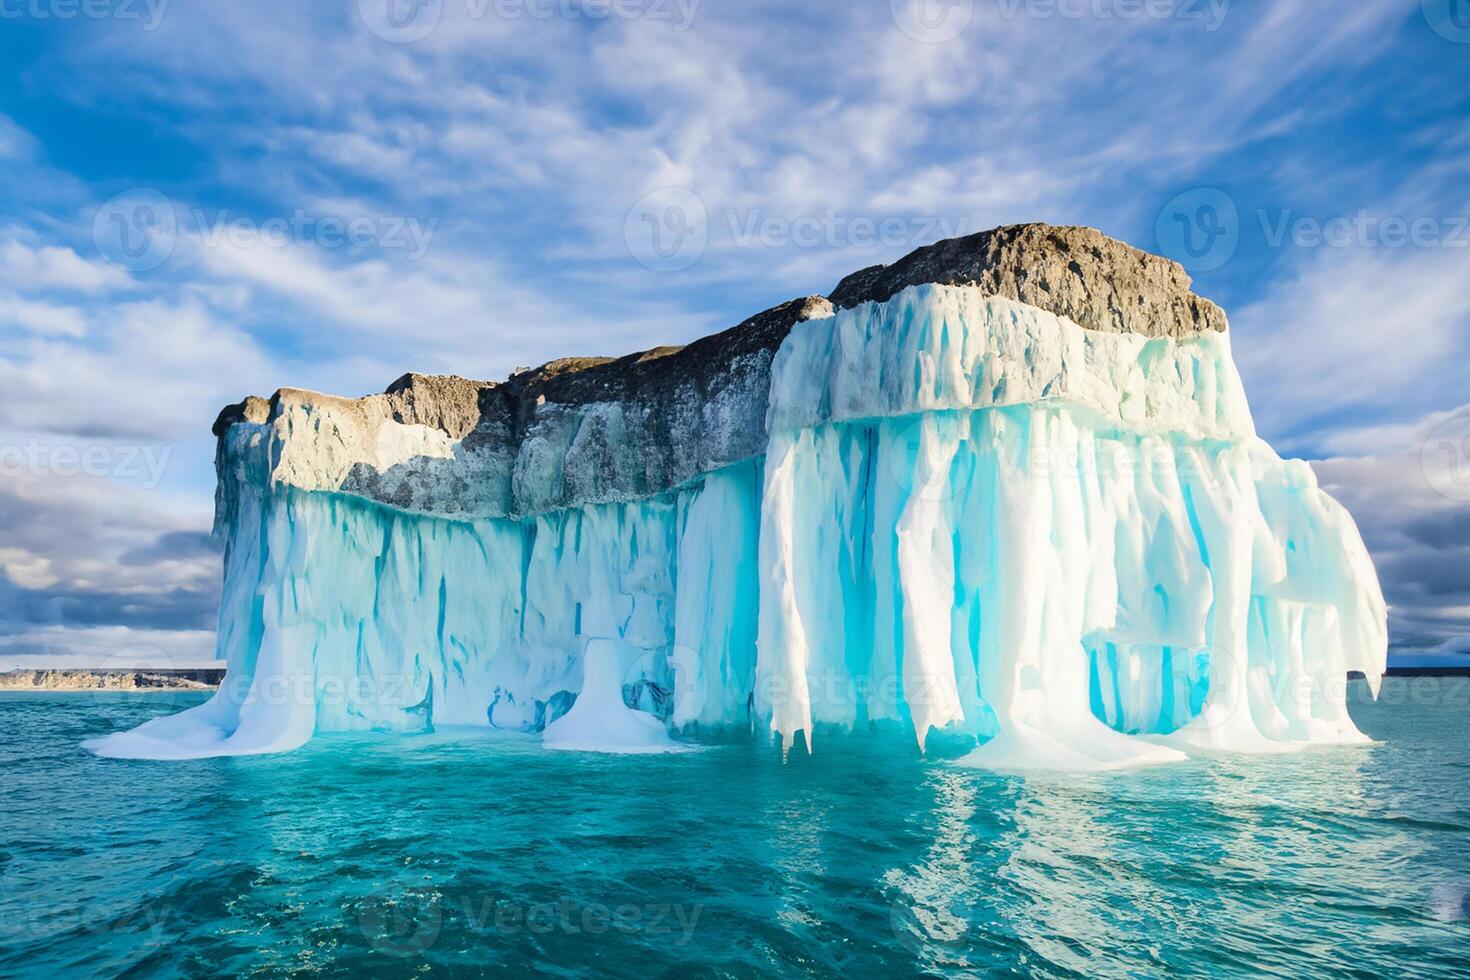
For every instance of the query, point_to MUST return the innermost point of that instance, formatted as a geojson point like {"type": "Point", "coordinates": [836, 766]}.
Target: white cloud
{"type": "Point", "coordinates": [1353, 328]}
{"type": "Point", "coordinates": [32, 268]}
{"type": "Point", "coordinates": [27, 569]}
{"type": "Point", "coordinates": [35, 316]}
{"type": "Point", "coordinates": [452, 298]}
{"type": "Point", "coordinates": [155, 371]}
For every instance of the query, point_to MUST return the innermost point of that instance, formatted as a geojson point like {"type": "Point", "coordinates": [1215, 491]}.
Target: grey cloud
{"type": "Point", "coordinates": [84, 553]}
{"type": "Point", "coordinates": [1447, 529]}
{"type": "Point", "coordinates": [1419, 540]}
{"type": "Point", "coordinates": [168, 609]}
{"type": "Point", "coordinates": [173, 546]}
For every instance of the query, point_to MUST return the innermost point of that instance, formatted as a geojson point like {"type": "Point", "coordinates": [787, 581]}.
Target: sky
{"type": "Point", "coordinates": [204, 200]}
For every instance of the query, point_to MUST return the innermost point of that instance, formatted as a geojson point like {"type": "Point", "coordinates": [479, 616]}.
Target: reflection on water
{"type": "Point", "coordinates": [472, 851]}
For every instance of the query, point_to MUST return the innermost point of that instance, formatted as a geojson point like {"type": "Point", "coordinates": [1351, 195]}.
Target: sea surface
{"type": "Point", "coordinates": [476, 853]}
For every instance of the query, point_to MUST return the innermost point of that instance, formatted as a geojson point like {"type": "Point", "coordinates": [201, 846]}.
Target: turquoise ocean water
{"type": "Point", "coordinates": [479, 853]}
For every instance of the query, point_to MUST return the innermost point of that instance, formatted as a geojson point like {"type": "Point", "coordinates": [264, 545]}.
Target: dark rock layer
{"type": "Point", "coordinates": [1095, 281]}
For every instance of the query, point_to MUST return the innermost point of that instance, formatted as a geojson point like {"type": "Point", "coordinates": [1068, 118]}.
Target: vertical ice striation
{"type": "Point", "coordinates": [942, 507]}
{"type": "Point", "coordinates": [1071, 535]}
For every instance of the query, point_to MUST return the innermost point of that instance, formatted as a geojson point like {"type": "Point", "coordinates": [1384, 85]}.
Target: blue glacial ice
{"type": "Point", "coordinates": [971, 516]}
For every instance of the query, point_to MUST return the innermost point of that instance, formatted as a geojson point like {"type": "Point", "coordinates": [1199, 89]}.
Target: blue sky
{"type": "Point", "coordinates": [205, 200]}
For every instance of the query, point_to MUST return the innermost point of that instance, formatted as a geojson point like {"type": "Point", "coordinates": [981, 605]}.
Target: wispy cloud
{"type": "Point", "coordinates": [1355, 330]}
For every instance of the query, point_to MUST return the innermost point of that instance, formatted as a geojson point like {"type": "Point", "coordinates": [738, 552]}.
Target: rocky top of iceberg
{"type": "Point", "coordinates": [1095, 281]}
{"type": "Point", "coordinates": [597, 429]}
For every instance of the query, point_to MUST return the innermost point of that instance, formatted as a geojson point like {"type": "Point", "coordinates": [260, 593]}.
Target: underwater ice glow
{"type": "Point", "coordinates": [972, 516]}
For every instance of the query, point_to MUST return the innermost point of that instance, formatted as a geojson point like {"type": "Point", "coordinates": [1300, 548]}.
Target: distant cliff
{"type": "Point", "coordinates": [126, 679]}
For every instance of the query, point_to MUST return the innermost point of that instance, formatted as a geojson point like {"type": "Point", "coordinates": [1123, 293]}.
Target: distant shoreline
{"type": "Point", "coordinates": [111, 679]}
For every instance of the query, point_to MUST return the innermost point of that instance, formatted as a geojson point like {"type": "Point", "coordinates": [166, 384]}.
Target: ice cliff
{"type": "Point", "coordinates": [1007, 488]}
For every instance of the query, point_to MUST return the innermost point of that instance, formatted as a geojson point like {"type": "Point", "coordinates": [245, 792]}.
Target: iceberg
{"type": "Point", "coordinates": [1007, 488]}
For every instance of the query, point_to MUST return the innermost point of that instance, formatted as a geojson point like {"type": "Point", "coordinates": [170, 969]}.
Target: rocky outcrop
{"type": "Point", "coordinates": [1095, 281]}
{"type": "Point", "coordinates": [590, 430]}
